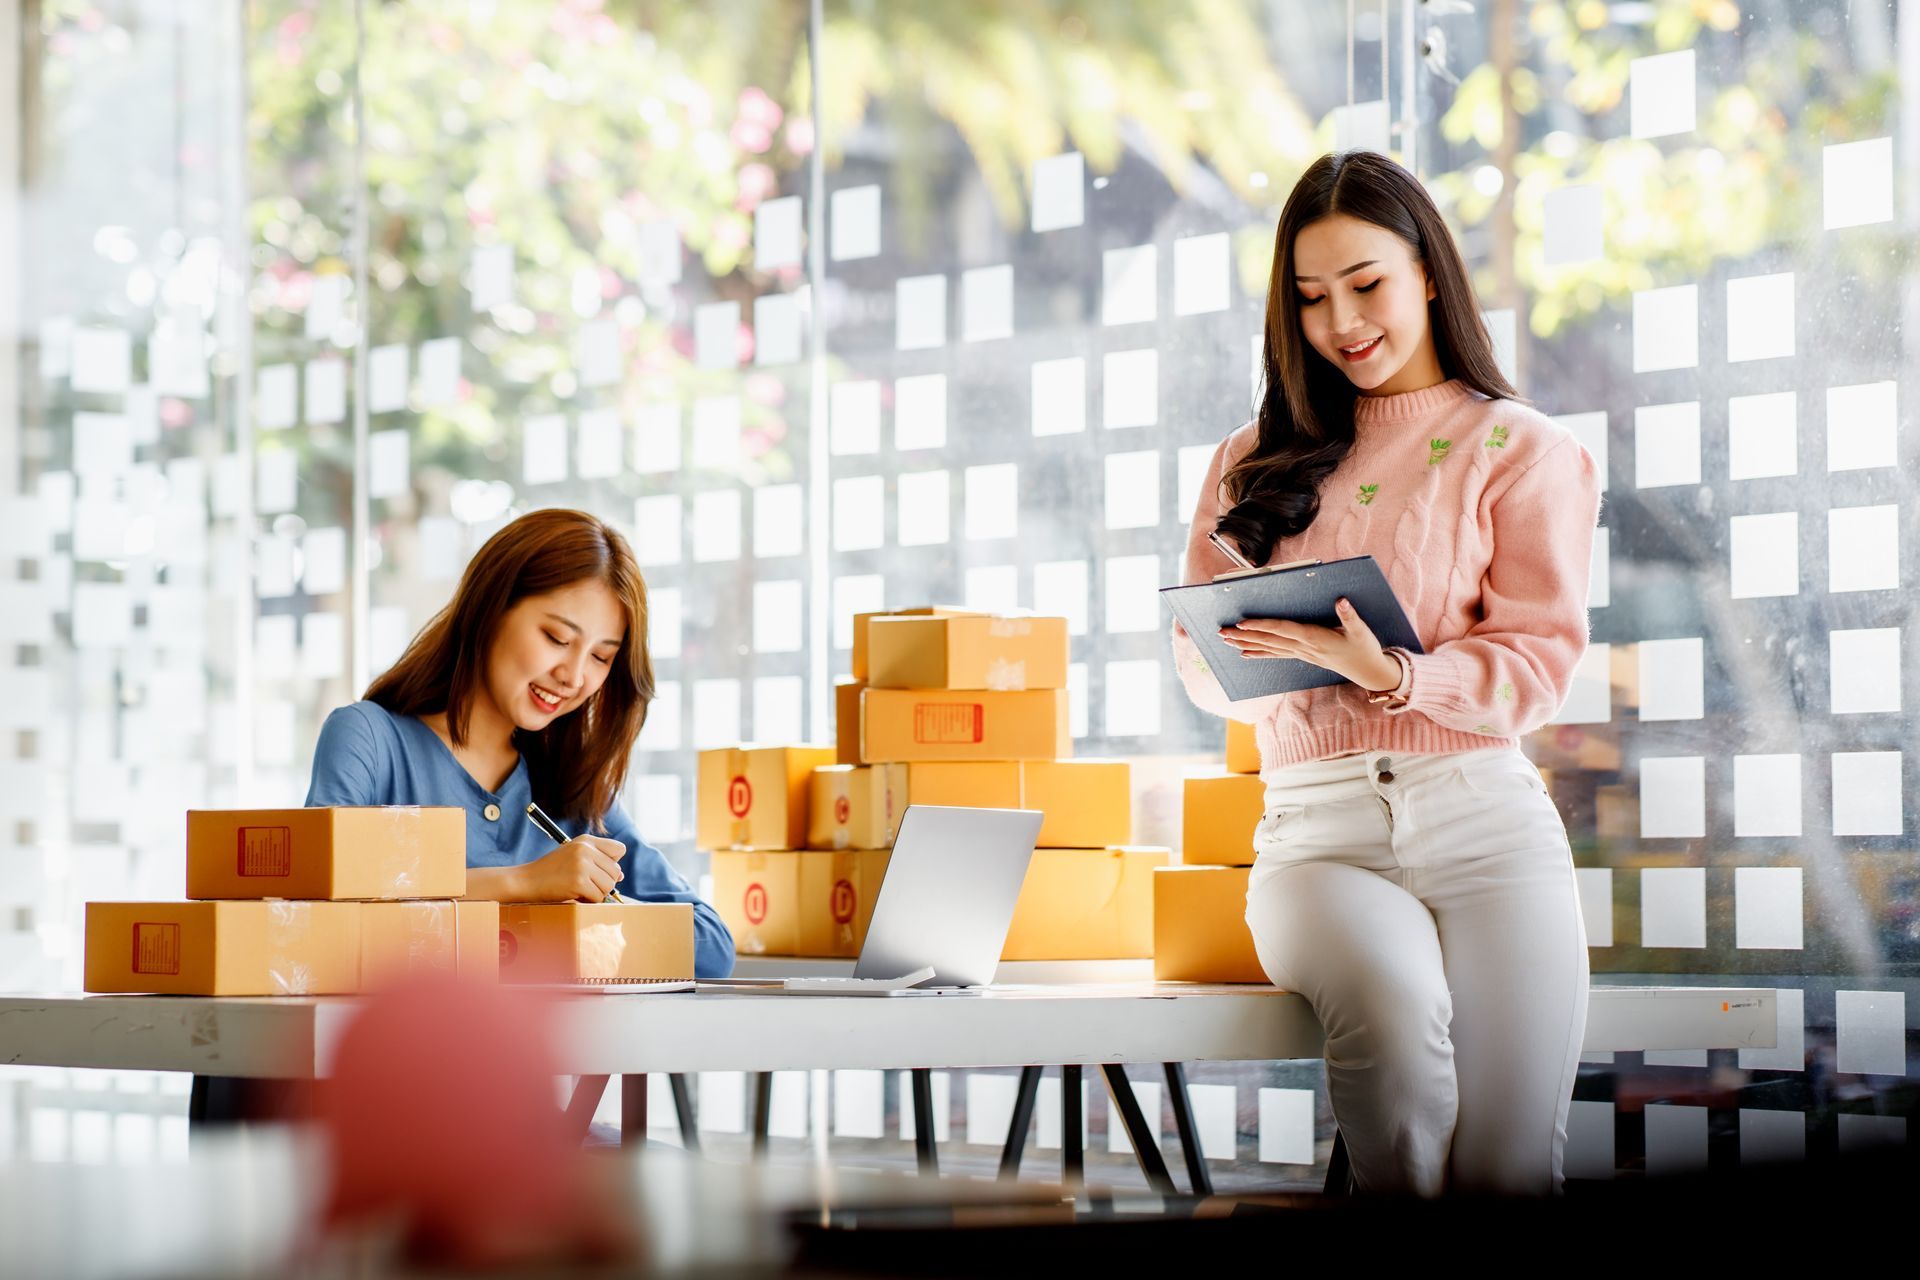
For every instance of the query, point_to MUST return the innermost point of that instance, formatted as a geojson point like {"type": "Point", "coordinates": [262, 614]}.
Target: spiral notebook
{"type": "Point", "coordinates": [1302, 592]}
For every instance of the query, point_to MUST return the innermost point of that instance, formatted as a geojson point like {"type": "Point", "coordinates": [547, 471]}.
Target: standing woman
{"type": "Point", "coordinates": [531, 685]}
{"type": "Point", "coordinates": [1412, 878]}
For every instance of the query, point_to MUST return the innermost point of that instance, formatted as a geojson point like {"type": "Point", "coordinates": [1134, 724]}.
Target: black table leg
{"type": "Point", "coordinates": [1197, 1174]}
{"type": "Point", "coordinates": [1146, 1144]}
{"type": "Point", "coordinates": [587, 1092]}
{"type": "Point", "coordinates": [683, 1108]}
{"type": "Point", "coordinates": [1073, 1155]}
{"type": "Point", "coordinates": [633, 1111]}
{"type": "Point", "coordinates": [762, 1110]}
{"type": "Point", "coordinates": [923, 1134]}
{"type": "Point", "coordinates": [1022, 1117]}
{"type": "Point", "coordinates": [215, 1101]}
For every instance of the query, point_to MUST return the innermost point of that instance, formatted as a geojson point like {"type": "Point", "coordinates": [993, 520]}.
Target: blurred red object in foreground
{"type": "Point", "coordinates": [442, 1120]}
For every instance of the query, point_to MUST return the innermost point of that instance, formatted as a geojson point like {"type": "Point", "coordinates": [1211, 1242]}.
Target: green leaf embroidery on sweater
{"type": "Point", "coordinates": [1200, 665]}
{"type": "Point", "coordinates": [1483, 728]}
{"type": "Point", "coordinates": [1439, 451]}
{"type": "Point", "coordinates": [1504, 693]}
{"type": "Point", "coordinates": [1367, 494]}
{"type": "Point", "coordinates": [1498, 440]}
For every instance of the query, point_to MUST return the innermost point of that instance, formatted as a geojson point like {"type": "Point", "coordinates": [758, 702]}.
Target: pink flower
{"type": "Point", "coordinates": [800, 136]}
{"type": "Point", "coordinates": [756, 106]}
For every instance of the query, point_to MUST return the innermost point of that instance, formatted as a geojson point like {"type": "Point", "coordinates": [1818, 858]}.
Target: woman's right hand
{"type": "Point", "coordinates": [584, 869]}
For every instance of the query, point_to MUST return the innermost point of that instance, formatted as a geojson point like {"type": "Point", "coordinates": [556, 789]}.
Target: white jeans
{"type": "Point", "coordinates": [1425, 906]}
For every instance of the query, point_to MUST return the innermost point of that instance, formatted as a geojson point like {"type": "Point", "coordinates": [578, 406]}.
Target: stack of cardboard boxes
{"type": "Point", "coordinates": [1199, 908]}
{"type": "Point", "coordinates": [946, 707]}
{"type": "Point", "coordinates": [330, 901]}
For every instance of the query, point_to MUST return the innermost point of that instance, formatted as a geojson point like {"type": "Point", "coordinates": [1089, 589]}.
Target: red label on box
{"type": "Point", "coordinates": [266, 851]}
{"type": "Point", "coordinates": [842, 811]}
{"type": "Point", "coordinates": [509, 947]}
{"type": "Point", "coordinates": [739, 797]}
{"type": "Point", "coordinates": [844, 901]}
{"type": "Point", "coordinates": [756, 904]}
{"type": "Point", "coordinates": [949, 722]}
{"type": "Point", "coordinates": [156, 948]}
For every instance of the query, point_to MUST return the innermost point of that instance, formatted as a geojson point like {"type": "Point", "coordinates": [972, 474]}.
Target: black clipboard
{"type": "Point", "coordinates": [1302, 594]}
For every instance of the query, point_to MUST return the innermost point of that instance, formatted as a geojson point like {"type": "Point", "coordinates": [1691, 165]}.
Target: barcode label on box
{"type": "Point", "coordinates": [156, 948]}
{"type": "Point", "coordinates": [266, 851]}
{"type": "Point", "coordinates": [949, 722]}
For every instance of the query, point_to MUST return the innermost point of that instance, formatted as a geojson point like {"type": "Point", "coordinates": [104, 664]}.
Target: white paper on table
{"type": "Point", "coordinates": [716, 432]}
{"type": "Point", "coordinates": [659, 254]}
{"type": "Point", "coordinates": [778, 515]}
{"type": "Point", "coordinates": [716, 342]}
{"type": "Point", "coordinates": [1059, 192]}
{"type": "Point", "coordinates": [920, 411]}
{"type": "Point", "coordinates": [102, 445]}
{"type": "Point", "coordinates": [1129, 285]}
{"type": "Point", "coordinates": [276, 480]}
{"type": "Point", "coordinates": [323, 646]}
{"type": "Point", "coordinates": [544, 449]}
{"type": "Point", "coordinates": [856, 223]}
{"type": "Point", "coordinates": [1133, 593]}
{"type": "Point", "coordinates": [1857, 183]}
{"type": "Point", "coordinates": [490, 278]}
{"type": "Point", "coordinates": [777, 327]}
{"type": "Point", "coordinates": [1133, 489]}
{"type": "Point", "coordinates": [326, 389]}
{"type": "Point", "coordinates": [854, 426]}
{"type": "Point", "coordinates": [387, 378]}
{"type": "Point", "coordinates": [920, 312]}
{"type": "Point", "coordinates": [439, 371]}
{"type": "Point", "coordinates": [1863, 426]}
{"type": "Point", "coordinates": [993, 501]}
{"type": "Point", "coordinates": [1201, 280]}
{"type": "Point", "coordinates": [1666, 444]}
{"type": "Point", "coordinates": [323, 553]}
{"type": "Point", "coordinates": [1573, 225]}
{"type": "Point", "coordinates": [1763, 436]}
{"type": "Point", "coordinates": [102, 360]}
{"type": "Point", "coordinates": [925, 499]}
{"type": "Point", "coordinates": [1863, 548]}
{"type": "Point", "coordinates": [1130, 388]}
{"type": "Point", "coordinates": [776, 233]}
{"type": "Point", "coordinates": [1666, 328]}
{"type": "Point", "coordinates": [596, 353]}
{"type": "Point", "coordinates": [986, 303]}
{"type": "Point", "coordinates": [1060, 590]}
{"type": "Point", "coordinates": [716, 525]}
{"type": "Point", "coordinates": [389, 462]}
{"type": "Point", "coordinates": [1661, 94]}
{"type": "Point", "coordinates": [859, 513]}
{"type": "Point", "coordinates": [1059, 396]}
{"type": "Point", "coordinates": [656, 438]}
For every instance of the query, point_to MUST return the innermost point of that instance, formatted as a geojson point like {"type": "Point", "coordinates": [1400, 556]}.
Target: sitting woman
{"type": "Point", "coordinates": [530, 686]}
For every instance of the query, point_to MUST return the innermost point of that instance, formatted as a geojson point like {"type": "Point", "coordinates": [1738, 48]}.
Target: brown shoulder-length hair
{"type": "Point", "coordinates": [1305, 419]}
{"type": "Point", "coordinates": [577, 763]}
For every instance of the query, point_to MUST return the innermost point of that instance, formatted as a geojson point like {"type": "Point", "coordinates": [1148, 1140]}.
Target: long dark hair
{"type": "Point", "coordinates": [1305, 421]}
{"type": "Point", "coordinates": [579, 761]}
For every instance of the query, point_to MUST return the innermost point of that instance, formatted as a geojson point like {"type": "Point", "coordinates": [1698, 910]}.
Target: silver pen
{"type": "Point", "coordinates": [1230, 551]}
{"type": "Point", "coordinates": [551, 829]}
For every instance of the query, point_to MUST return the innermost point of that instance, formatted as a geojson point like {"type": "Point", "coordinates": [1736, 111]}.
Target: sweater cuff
{"type": "Point", "coordinates": [1437, 687]}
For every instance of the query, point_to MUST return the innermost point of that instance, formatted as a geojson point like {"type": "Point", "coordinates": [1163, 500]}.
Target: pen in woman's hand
{"type": "Point", "coordinates": [551, 829]}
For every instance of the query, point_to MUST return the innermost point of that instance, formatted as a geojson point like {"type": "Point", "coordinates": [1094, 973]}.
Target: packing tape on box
{"type": "Point", "coordinates": [841, 786]}
{"type": "Point", "coordinates": [405, 843]}
{"type": "Point", "coordinates": [1002, 628]}
{"type": "Point", "coordinates": [739, 799]}
{"type": "Point", "coordinates": [288, 924]}
{"type": "Point", "coordinates": [1007, 677]}
{"type": "Point", "coordinates": [601, 946]}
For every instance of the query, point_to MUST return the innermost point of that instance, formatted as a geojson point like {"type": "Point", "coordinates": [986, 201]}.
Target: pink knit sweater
{"type": "Point", "coordinates": [1481, 513]}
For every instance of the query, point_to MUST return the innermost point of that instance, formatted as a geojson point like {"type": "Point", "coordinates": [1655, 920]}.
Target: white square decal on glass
{"type": "Point", "coordinates": [716, 335]}
{"type": "Point", "coordinates": [1857, 183]}
{"type": "Point", "coordinates": [716, 713]}
{"type": "Point", "coordinates": [1216, 1114]}
{"type": "Point", "coordinates": [1146, 1094]}
{"type": "Point", "coordinates": [1590, 1133]}
{"type": "Point", "coordinates": [387, 378]}
{"type": "Point", "coordinates": [1590, 698]}
{"type": "Point", "coordinates": [602, 444]}
{"type": "Point", "coordinates": [1673, 906]}
{"type": "Point", "coordinates": [723, 1101]}
{"type": "Point", "coordinates": [656, 529]}
{"type": "Point", "coordinates": [1661, 94]}
{"type": "Point", "coordinates": [859, 513]}
{"type": "Point", "coordinates": [855, 594]}
{"type": "Point", "coordinates": [1676, 1136]}
{"type": "Point", "coordinates": [920, 313]}
{"type": "Point", "coordinates": [1059, 396]}
{"type": "Point", "coordinates": [1768, 910]}
{"type": "Point", "coordinates": [1059, 192]}
{"type": "Point", "coordinates": [1133, 698]}
{"type": "Point", "coordinates": [1672, 683]}
{"type": "Point", "coordinates": [1864, 667]}
{"type": "Point", "coordinates": [1760, 317]}
{"type": "Point", "coordinates": [1867, 794]}
{"type": "Point", "coordinates": [102, 445]}
{"type": "Point", "coordinates": [1060, 590]}
{"type": "Point", "coordinates": [659, 253]}
{"type": "Point", "coordinates": [275, 397]}
{"type": "Point", "coordinates": [1500, 328]}
{"type": "Point", "coordinates": [777, 614]}
{"type": "Point", "coordinates": [855, 410]}
{"type": "Point", "coordinates": [777, 703]}
{"type": "Point", "coordinates": [920, 411]}
{"type": "Point", "coordinates": [103, 358]}
{"type": "Point", "coordinates": [1600, 570]}
{"type": "Point", "coordinates": [924, 498]}
{"type": "Point", "coordinates": [1195, 460]}
{"type": "Point", "coordinates": [779, 323]}
{"type": "Point", "coordinates": [1200, 275]}
{"type": "Point", "coordinates": [439, 371]}
{"type": "Point", "coordinates": [1789, 1052]}
{"type": "Point", "coordinates": [1573, 225]}
{"type": "Point", "coordinates": [1590, 429]}
{"type": "Point", "coordinates": [1666, 328]}
{"type": "Point", "coordinates": [1673, 797]}
{"type": "Point", "coordinates": [993, 501]}
{"type": "Point", "coordinates": [716, 526]}
{"type": "Point", "coordinates": [665, 622]}
{"type": "Point", "coordinates": [1133, 490]}
{"type": "Point", "coordinates": [856, 223]}
{"type": "Point", "coordinates": [1865, 1133]}
{"type": "Point", "coordinates": [1078, 683]}
{"type": "Point", "coordinates": [1762, 436]}
{"type": "Point", "coordinates": [1286, 1126]}
{"type": "Point", "coordinates": [776, 234]}
{"type": "Point", "coordinates": [1128, 285]}
{"type": "Point", "coordinates": [389, 455]}
{"type": "Point", "coordinates": [942, 1107]}
{"type": "Point", "coordinates": [543, 446]}
{"type": "Point", "coordinates": [491, 276]}
{"type": "Point", "coordinates": [1130, 388]}
{"type": "Point", "coordinates": [990, 1099]}
{"type": "Point", "coordinates": [1766, 795]}
{"type": "Point", "coordinates": [326, 390]}
{"type": "Point", "coordinates": [596, 353]}
{"type": "Point", "coordinates": [1863, 426]}
{"type": "Point", "coordinates": [1363, 126]}
{"type": "Point", "coordinates": [777, 516]}
{"type": "Point", "coordinates": [1595, 885]}
{"type": "Point", "coordinates": [859, 1097]}
{"type": "Point", "coordinates": [1666, 444]}
{"type": "Point", "coordinates": [323, 553]}
{"type": "Point", "coordinates": [716, 432]}
{"type": "Point", "coordinates": [986, 303]}
{"type": "Point", "coordinates": [992, 588]}
{"type": "Point", "coordinates": [1870, 1032]}
{"type": "Point", "coordinates": [1133, 593]}
{"type": "Point", "coordinates": [1863, 548]}
{"type": "Point", "coordinates": [1765, 553]}
{"type": "Point", "coordinates": [656, 438]}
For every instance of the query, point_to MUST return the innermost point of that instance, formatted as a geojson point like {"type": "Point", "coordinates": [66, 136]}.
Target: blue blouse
{"type": "Point", "coordinates": [368, 755]}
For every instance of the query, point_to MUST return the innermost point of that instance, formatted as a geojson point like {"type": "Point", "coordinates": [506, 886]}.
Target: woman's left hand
{"type": "Point", "coordinates": [1348, 650]}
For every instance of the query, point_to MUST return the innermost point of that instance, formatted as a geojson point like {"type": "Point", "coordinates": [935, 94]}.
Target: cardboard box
{"type": "Point", "coordinates": [856, 806]}
{"type": "Point", "coordinates": [837, 891]}
{"type": "Point", "coordinates": [1200, 926]}
{"type": "Point", "coordinates": [1218, 815]}
{"type": "Point", "coordinates": [1243, 752]}
{"type": "Point", "coordinates": [402, 938]}
{"type": "Point", "coordinates": [967, 784]}
{"type": "Point", "coordinates": [755, 797]}
{"type": "Point", "coordinates": [595, 941]}
{"type": "Point", "coordinates": [846, 721]}
{"type": "Point", "coordinates": [379, 851]}
{"type": "Point", "coordinates": [758, 896]}
{"type": "Point", "coordinates": [242, 948]}
{"type": "Point", "coordinates": [1088, 803]}
{"type": "Point", "coordinates": [1086, 904]}
{"type": "Point", "coordinates": [859, 659]}
{"type": "Point", "coordinates": [985, 651]}
{"type": "Point", "coordinates": [918, 724]}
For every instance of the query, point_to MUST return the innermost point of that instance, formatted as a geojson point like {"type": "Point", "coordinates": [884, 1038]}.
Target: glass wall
{"type": "Point", "coordinates": [306, 304]}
